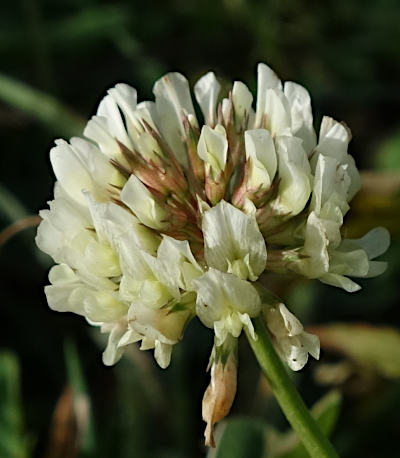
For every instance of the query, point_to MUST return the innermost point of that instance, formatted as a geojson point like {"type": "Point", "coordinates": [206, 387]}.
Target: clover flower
{"type": "Point", "coordinates": [158, 217]}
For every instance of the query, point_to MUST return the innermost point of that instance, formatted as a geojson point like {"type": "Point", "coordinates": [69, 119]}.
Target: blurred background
{"type": "Point", "coordinates": [57, 400]}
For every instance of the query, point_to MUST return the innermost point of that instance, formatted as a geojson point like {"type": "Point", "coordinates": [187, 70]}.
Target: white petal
{"type": "Point", "coordinates": [311, 344]}
{"type": "Point", "coordinates": [58, 298]}
{"type": "Point", "coordinates": [247, 323]}
{"type": "Point", "coordinates": [70, 171]}
{"type": "Point", "coordinates": [316, 261]}
{"type": "Point", "coordinates": [266, 79]}
{"type": "Point", "coordinates": [353, 263]}
{"type": "Point", "coordinates": [334, 138]}
{"type": "Point", "coordinates": [241, 294]}
{"type": "Point", "coordinates": [97, 305]}
{"type": "Point", "coordinates": [61, 274]}
{"type": "Point", "coordinates": [95, 281]}
{"type": "Point", "coordinates": [113, 352]}
{"type": "Point", "coordinates": [354, 175]}
{"type": "Point", "coordinates": [109, 219]}
{"type": "Point", "coordinates": [140, 200]}
{"type": "Point", "coordinates": [63, 232]}
{"type": "Point", "coordinates": [170, 248]}
{"type": "Point", "coordinates": [48, 239]}
{"type": "Point", "coordinates": [172, 254]}
{"type": "Point", "coordinates": [173, 100]}
{"type": "Point", "coordinates": [162, 354]}
{"type": "Point", "coordinates": [98, 165]}
{"type": "Point", "coordinates": [108, 110]}
{"type": "Point", "coordinates": [213, 148]}
{"type": "Point", "coordinates": [324, 181]}
{"type": "Point", "coordinates": [340, 281]}
{"type": "Point", "coordinates": [230, 235]}
{"type": "Point", "coordinates": [242, 99]}
{"type": "Point", "coordinates": [294, 171]}
{"type": "Point", "coordinates": [102, 260]}
{"type": "Point", "coordinates": [132, 261]}
{"type": "Point", "coordinates": [163, 325]}
{"type": "Point", "coordinates": [376, 268]}
{"type": "Point", "coordinates": [260, 148]}
{"type": "Point", "coordinates": [147, 344]}
{"type": "Point", "coordinates": [301, 114]}
{"type": "Point", "coordinates": [206, 91]}
{"type": "Point", "coordinates": [219, 294]}
{"type": "Point", "coordinates": [226, 110]}
{"type": "Point", "coordinates": [129, 337]}
{"type": "Point", "coordinates": [97, 131]}
{"type": "Point", "coordinates": [281, 322]}
{"type": "Point", "coordinates": [375, 242]}
{"type": "Point", "coordinates": [211, 300]}
{"type": "Point", "coordinates": [295, 356]}
{"type": "Point", "coordinates": [232, 324]}
{"type": "Point", "coordinates": [162, 272]}
{"type": "Point", "coordinates": [277, 111]}
{"type": "Point", "coordinates": [221, 331]}
{"type": "Point", "coordinates": [292, 324]}
{"type": "Point", "coordinates": [126, 98]}
{"type": "Point", "coordinates": [147, 111]}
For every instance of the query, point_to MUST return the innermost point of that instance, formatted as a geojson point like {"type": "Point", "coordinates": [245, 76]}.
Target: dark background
{"type": "Point", "coordinates": [57, 60]}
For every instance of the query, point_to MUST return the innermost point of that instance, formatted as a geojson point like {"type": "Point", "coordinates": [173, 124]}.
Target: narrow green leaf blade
{"type": "Point", "coordinates": [13, 441]}
{"type": "Point", "coordinates": [76, 380]}
{"type": "Point", "coordinates": [287, 445]}
{"type": "Point", "coordinates": [239, 438]}
{"type": "Point", "coordinates": [44, 108]}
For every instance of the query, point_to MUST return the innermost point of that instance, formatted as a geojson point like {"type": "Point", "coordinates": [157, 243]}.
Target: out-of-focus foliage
{"type": "Point", "coordinates": [57, 60]}
{"type": "Point", "coordinates": [13, 439]}
{"type": "Point", "coordinates": [239, 437]}
{"type": "Point", "coordinates": [286, 445]}
{"type": "Point", "coordinates": [374, 348]}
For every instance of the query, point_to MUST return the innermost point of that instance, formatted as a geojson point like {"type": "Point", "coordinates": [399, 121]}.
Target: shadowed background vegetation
{"type": "Point", "coordinates": [57, 400]}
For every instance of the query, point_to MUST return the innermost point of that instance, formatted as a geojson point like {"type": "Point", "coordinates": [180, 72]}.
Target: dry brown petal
{"type": "Point", "coordinates": [219, 396]}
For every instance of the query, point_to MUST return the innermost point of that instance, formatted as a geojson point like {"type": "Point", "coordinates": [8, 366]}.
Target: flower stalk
{"type": "Point", "coordinates": [296, 412]}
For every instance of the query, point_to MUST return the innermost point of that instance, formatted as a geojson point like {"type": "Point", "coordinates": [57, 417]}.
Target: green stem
{"type": "Point", "coordinates": [316, 443]}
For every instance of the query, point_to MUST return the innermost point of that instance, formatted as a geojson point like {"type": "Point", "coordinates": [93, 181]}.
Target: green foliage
{"type": "Point", "coordinates": [239, 438]}
{"type": "Point", "coordinates": [287, 445]}
{"type": "Point", "coordinates": [388, 156]}
{"type": "Point", "coordinates": [13, 439]}
{"type": "Point", "coordinates": [46, 109]}
{"type": "Point", "coordinates": [81, 400]}
{"type": "Point", "coordinates": [375, 348]}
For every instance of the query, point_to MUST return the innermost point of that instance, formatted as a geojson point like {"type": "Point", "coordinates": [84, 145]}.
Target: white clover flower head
{"type": "Point", "coordinates": [158, 217]}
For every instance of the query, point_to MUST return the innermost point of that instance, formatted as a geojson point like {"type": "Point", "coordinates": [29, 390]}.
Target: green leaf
{"type": "Point", "coordinates": [76, 380]}
{"type": "Point", "coordinates": [287, 445]}
{"type": "Point", "coordinates": [13, 441]}
{"type": "Point", "coordinates": [388, 156]}
{"type": "Point", "coordinates": [239, 438]}
{"type": "Point", "coordinates": [132, 411]}
{"type": "Point", "coordinates": [44, 108]}
{"type": "Point", "coordinates": [326, 411]}
{"type": "Point", "coordinates": [373, 347]}
{"type": "Point", "coordinates": [87, 25]}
